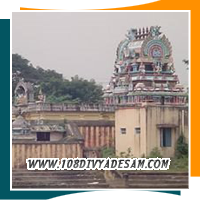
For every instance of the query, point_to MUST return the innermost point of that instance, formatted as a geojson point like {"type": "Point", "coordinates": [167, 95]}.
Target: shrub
{"type": "Point", "coordinates": [126, 154]}
{"type": "Point", "coordinates": [179, 164]}
{"type": "Point", "coordinates": [108, 152]}
{"type": "Point", "coordinates": [155, 152]}
{"type": "Point", "coordinates": [181, 148]}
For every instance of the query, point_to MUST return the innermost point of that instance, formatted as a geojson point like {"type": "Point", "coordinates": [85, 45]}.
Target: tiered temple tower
{"type": "Point", "coordinates": [144, 71]}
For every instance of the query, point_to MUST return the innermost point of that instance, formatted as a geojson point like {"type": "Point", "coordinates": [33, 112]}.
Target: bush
{"type": "Point", "coordinates": [179, 164]}
{"type": "Point", "coordinates": [126, 154]}
{"type": "Point", "coordinates": [108, 152]}
{"type": "Point", "coordinates": [181, 148]}
{"type": "Point", "coordinates": [155, 153]}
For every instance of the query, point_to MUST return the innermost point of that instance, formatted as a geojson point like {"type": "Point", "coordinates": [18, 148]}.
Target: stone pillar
{"type": "Point", "coordinates": [86, 137]}
{"type": "Point", "coordinates": [102, 136]}
{"type": "Point", "coordinates": [107, 136]}
{"type": "Point", "coordinates": [91, 136]}
{"type": "Point", "coordinates": [97, 136]}
{"type": "Point", "coordinates": [113, 136]}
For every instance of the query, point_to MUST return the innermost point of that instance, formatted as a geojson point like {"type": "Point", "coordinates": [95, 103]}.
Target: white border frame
{"type": "Point", "coordinates": [189, 105]}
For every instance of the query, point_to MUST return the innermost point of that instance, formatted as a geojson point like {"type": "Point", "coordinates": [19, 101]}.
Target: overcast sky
{"type": "Point", "coordinates": [85, 44]}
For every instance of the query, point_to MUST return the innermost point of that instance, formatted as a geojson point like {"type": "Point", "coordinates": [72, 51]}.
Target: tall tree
{"type": "Point", "coordinates": [57, 89]}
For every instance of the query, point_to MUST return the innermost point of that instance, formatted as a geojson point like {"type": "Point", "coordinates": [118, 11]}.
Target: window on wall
{"type": "Point", "coordinates": [123, 130]}
{"type": "Point", "coordinates": [43, 136]}
{"type": "Point", "coordinates": [137, 130]}
{"type": "Point", "coordinates": [166, 137]}
{"type": "Point", "coordinates": [148, 67]}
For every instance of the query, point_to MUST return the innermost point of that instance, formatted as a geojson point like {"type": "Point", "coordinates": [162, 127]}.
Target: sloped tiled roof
{"type": "Point", "coordinates": [73, 133]}
{"type": "Point", "coordinates": [47, 128]}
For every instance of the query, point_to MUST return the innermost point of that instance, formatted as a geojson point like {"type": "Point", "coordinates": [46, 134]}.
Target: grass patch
{"type": "Point", "coordinates": [178, 165]}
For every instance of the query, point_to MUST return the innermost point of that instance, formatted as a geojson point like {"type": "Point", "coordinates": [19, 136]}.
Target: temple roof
{"type": "Point", "coordinates": [73, 132]}
{"type": "Point", "coordinates": [47, 128]}
{"type": "Point", "coordinates": [144, 67]}
{"type": "Point", "coordinates": [138, 46]}
{"type": "Point", "coordinates": [20, 122]}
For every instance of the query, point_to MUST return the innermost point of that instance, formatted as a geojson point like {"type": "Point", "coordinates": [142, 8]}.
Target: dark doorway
{"type": "Point", "coordinates": [162, 100]}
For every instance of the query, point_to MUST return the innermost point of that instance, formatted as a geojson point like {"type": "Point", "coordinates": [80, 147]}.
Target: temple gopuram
{"type": "Point", "coordinates": [144, 71]}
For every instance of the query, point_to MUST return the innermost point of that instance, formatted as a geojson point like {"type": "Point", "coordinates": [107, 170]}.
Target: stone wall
{"type": "Point", "coordinates": [23, 150]}
{"type": "Point", "coordinates": [150, 119]}
{"type": "Point", "coordinates": [98, 136]}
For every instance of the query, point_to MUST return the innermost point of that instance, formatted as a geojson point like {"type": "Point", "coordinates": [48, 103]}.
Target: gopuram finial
{"type": "Point", "coordinates": [131, 34]}
{"type": "Point", "coordinates": [155, 31]}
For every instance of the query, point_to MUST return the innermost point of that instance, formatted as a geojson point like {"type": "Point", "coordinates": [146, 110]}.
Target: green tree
{"type": "Point", "coordinates": [54, 86]}
{"type": "Point", "coordinates": [181, 147]}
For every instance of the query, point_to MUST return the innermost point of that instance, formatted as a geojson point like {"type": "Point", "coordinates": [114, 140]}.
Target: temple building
{"type": "Point", "coordinates": [151, 104]}
{"type": "Point", "coordinates": [142, 128]}
{"type": "Point", "coordinates": [24, 93]}
{"type": "Point", "coordinates": [20, 126]}
{"type": "Point", "coordinates": [144, 71]}
{"type": "Point", "coordinates": [145, 107]}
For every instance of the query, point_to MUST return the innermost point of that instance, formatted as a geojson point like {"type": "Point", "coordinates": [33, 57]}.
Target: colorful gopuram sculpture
{"type": "Point", "coordinates": [144, 71]}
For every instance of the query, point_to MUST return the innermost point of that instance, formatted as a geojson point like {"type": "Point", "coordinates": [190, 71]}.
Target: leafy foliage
{"type": "Point", "coordinates": [56, 88]}
{"type": "Point", "coordinates": [108, 152]}
{"type": "Point", "coordinates": [186, 62]}
{"type": "Point", "coordinates": [127, 154]}
{"type": "Point", "coordinates": [179, 164]}
{"type": "Point", "coordinates": [155, 153]}
{"type": "Point", "coordinates": [181, 147]}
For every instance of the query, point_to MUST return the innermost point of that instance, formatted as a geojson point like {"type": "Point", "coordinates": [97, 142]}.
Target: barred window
{"type": "Point", "coordinates": [123, 130]}
{"type": "Point", "coordinates": [43, 136]}
{"type": "Point", "coordinates": [137, 130]}
{"type": "Point", "coordinates": [165, 137]}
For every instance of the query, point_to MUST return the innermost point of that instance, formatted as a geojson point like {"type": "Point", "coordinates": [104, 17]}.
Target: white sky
{"type": "Point", "coordinates": [85, 44]}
